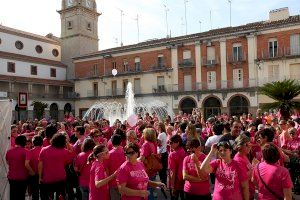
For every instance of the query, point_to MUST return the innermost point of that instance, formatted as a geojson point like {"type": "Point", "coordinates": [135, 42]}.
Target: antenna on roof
{"type": "Point", "coordinates": [200, 26]}
{"type": "Point", "coordinates": [138, 27]}
{"type": "Point", "coordinates": [229, 1]}
{"type": "Point", "coordinates": [122, 14]}
{"type": "Point", "coordinates": [116, 41]}
{"type": "Point", "coordinates": [185, 1]}
{"type": "Point", "coordinates": [166, 11]}
{"type": "Point", "coordinates": [210, 19]}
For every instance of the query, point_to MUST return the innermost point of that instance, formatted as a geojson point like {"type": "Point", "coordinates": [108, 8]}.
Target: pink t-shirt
{"type": "Point", "coordinates": [294, 144]}
{"type": "Point", "coordinates": [276, 178]}
{"type": "Point", "coordinates": [33, 157]}
{"type": "Point", "coordinates": [195, 188]}
{"type": "Point", "coordinates": [135, 177]}
{"type": "Point", "coordinates": [116, 159]}
{"type": "Point", "coordinates": [246, 168]}
{"type": "Point", "coordinates": [228, 180]}
{"type": "Point", "coordinates": [15, 158]}
{"type": "Point", "coordinates": [54, 161]}
{"type": "Point", "coordinates": [175, 163]}
{"type": "Point", "coordinates": [84, 168]}
{"type": "Point", "coordinates": [46, 142]}
{"type": "Point", "coordinates": [147, 149]}
{"type": "Point", "coordinates": [98, 173]}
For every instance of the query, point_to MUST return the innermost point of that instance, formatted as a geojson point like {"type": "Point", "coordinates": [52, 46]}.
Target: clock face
{"type": "Point", "coordinates": [89, 3]}
{"type": "Point", "coordinates": [70, 3]}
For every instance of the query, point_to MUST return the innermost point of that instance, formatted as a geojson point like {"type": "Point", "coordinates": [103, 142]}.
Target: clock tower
{"type": "Point", "coordinates": [79, 30]}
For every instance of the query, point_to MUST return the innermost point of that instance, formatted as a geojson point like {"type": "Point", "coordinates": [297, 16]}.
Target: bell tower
{"type": "Point", "coordinates": [79, 30]}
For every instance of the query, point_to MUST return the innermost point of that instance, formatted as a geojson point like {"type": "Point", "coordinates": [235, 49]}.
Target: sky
{"type": "Point", "coordinates": [40, 17]}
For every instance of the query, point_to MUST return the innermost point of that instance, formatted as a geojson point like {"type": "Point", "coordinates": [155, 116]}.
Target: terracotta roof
{"type": "Point", "coordinates": [35, 80]}
{"type": "Point", "coordinates": [215, 33]}
{"type": "Point", "coordinates": [31, 59]}
{"type": "Point", "coordinates": [33, 36]}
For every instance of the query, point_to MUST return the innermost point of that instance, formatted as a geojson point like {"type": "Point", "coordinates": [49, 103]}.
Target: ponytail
{"type": "Point", "coordinates": [96, 150]}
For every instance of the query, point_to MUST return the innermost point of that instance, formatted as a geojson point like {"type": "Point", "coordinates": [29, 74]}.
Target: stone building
{"type": "Point", "coordinates": [217, 71]}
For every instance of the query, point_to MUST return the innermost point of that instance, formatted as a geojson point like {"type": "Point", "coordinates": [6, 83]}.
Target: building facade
{"type": "Point", "coordinates": [40, 68]}
{"type": "Point", "coordinates": [217, 71]}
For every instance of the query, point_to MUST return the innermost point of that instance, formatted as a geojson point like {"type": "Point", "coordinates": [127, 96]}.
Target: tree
{"type": "Point", "coordinates": [283, 93]}
{"type": "Point", "coordinates": [39, 108]}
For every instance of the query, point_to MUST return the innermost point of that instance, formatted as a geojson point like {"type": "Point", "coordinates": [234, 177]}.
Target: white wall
{"type": "Point", "coordinates": [8, 45]}
{"type": "Point", "coordinates": [23, 69]}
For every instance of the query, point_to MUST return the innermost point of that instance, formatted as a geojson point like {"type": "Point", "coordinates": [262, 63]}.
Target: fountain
{"type": "Point", "coordinates": [115, 110]}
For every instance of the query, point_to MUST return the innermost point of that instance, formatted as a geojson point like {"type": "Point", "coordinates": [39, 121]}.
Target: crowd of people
{"type": "Point", "coordinates": [221, 158]}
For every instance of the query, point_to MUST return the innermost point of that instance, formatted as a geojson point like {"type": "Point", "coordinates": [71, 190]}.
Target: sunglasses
{"type": "Point", "coordinates": [129, 152]}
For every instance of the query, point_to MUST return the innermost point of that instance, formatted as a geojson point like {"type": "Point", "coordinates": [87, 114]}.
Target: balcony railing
{"type": "Point", "coordinates": [210, 62]}
{"type": "Point", "coordinates": [292, 51]}
{"type": "Point", "coordinates": [186, 63]}
{"type": "Point", "coordinates": [237, 58]}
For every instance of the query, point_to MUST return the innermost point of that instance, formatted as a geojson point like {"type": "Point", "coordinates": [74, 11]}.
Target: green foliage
{"type": "Point", "coordinates": [39, 108]}
{"type": "Point", "coordinates": [283, 93]}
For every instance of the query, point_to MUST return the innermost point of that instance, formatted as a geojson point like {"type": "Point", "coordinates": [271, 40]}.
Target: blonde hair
{"type": "Point", "coordinates": [149, 134]}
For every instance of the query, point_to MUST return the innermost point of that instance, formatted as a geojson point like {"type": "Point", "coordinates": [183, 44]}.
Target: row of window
{"type": "Point", "coordinates": [211, 83]}
{"type": "Point", "coordinates": [11, 68]}
{"type": "Point", "coordinates": [237, 54]}
{"type": "Point", "coordinates": [38, 48]}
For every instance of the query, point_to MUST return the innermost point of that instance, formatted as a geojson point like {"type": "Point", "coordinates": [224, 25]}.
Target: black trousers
{"type": "Point", "coordinates": [35, 187]}
{"type": "Point", "coordinates": [48, 190]}
{"type": "Point", "coordinates": [17, 189]}
{"type": "Point", "coordinates": [163, 172]}
{"type": "Point", "coordinates": [189, 196]}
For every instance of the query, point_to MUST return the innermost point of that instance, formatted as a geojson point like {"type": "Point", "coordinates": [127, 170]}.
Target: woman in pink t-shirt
{"type": "Point", "coordinates": [99, 180]}
{"type": "Point", "coordinates": [274, 181]}
{"type": "Point", "coordinates": [132, 179]}
{"type": "Point", "coordinates": [17, 173]}
{"type": "Point", "coordinates": [243, 146]}
{"type": "Point", "coordinates": [231, 183]}
{"type": "Point", "coordinates": [51, 167]}
{"type": "Point", "coordinates": [175, 164]}
{"type": "Point", "coordinates": [196, 184]}
{"type": "Point", "coordinates": [83, 167]}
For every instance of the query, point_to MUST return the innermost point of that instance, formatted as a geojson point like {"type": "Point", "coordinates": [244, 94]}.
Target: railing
{"type": "Point", "coordinates": [115, 92]}
{"type": "Point", "coordinates": [186, 63]}
{"type": "Point", "coordinates": [158, 67]}
{"type": "Point", "coordinates": [280, 53]}
{"type": "Point", "coordinates": [237, 59]}
{"type": "Point", "coordinates": [292, 51]}
{"type": "Point", "coordinates": [211, 62]}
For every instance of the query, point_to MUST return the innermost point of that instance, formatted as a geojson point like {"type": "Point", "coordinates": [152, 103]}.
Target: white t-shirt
{"type": "Point", "coordinates": [212, 140]}
{"type": "Point", "coordinates": [162, 137]}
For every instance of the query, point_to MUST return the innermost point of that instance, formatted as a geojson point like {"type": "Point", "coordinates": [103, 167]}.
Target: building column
{"type": "Point", "coordinates": [252, 56]}
{"type": "Point", "coordinates": [46, 89]}
{"type": "Point", "coordinates": [174, 63]}
{"type": "Point", "coordinates": [223, 61]}
{"type": "Point", "coordinates": [198, 64]}
{"type": "Point", "coordinates": [61, 89]}
{"type": "Point", "coordinates": [29, 88]}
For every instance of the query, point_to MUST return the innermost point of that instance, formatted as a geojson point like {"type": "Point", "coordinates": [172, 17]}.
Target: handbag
{"type": "Point", "coordinates": [153, 164]}
{"type": "Point", "coordinates": [271, 191]}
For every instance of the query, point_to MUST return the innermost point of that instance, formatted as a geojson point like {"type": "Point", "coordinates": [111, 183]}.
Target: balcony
{"type": "Point", "coordinates": [237, 59]}
{"type": "Point", "coordinates": [115, 92]}
{"type": "Point", "coordinates": [186, 63]}
{"type": "Point", "coordinates": [210, 62]}
{"type": "Point", "coordinates": [159, 89]}
{"type": "Point", "coordinates": [292, 52]}
{"type": "Point", "coordinates": [272, 55]}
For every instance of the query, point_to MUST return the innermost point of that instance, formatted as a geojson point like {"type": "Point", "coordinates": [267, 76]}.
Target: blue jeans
{"type": "Point", "coordinates": [150, 189]}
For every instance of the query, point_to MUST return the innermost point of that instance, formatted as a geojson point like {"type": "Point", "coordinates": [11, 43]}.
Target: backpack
{"type": "Point", "coordinates": [153, 164]}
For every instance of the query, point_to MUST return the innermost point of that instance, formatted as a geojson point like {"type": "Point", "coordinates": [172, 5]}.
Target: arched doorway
{"type": "Point", "coordinates": [238, 105]}
{"type": "Point", "coordinates": [67, 108]}
{"type": "Point", "coordinates": [212, 107]}
{"type": "Point", "coordinates": [54, 111]}
{"type": "Point", "coordinates": [187, 105]}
